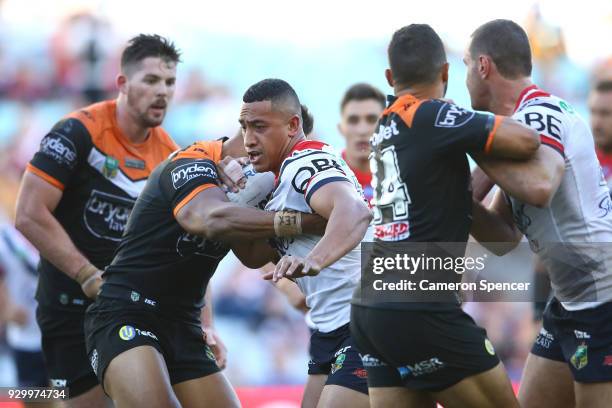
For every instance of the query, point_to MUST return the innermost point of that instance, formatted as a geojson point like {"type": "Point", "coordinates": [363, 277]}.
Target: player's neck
{"type": "Point", "coordinates": [360, 164]}
{"type": "Point", "coordinates": [428, 91]}
{"type": "Point", "coordinates": [287, 150]}
{"type": "Point", "coordinates": [129, 127]}
{"type": "Point", "coordinates": [504, 100]}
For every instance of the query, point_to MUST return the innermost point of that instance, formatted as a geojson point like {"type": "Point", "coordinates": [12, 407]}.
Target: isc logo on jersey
{"type": "Point", "coordinates": [59, 148]}
{"type": "Point", "coordinates": [451, 116]}
{"type": "Point", "coordinates": [183, 173]}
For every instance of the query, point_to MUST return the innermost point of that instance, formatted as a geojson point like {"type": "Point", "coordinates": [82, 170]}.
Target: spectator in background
{"type": "Point", "coordinates": [600, 105]}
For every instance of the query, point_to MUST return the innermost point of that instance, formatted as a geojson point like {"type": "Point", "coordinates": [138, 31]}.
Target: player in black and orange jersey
{"type": "Point", "coordinates": [144, 337]}
{"type": "Point", "coordinates": [422, 193]}
{"type": "Point", "coordinates": [77, 194]}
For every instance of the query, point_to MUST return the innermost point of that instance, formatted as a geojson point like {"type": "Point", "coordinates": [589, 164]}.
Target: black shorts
{"type": "Point", "coordinates": [113, 326]}
{"type": "Point", "coordinates": [581, 338]}
{"type": "Point", "coordinates": [31, 370]}
{"type": "Point", "coordinates": [423, 350]}
{"type": "Point", "coordinates": [335, 355]}
{"type": "Point", "coordinates": [63, 346]}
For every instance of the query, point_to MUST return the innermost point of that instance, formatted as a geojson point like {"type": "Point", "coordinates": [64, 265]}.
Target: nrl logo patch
{"type": "Point", "coordinates": [111, 165]}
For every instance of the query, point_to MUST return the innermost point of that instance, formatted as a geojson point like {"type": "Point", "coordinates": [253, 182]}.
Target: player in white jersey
{"type": "Point", "coordinates": [18, 260]}
{"type": "Point", "coordinates": [311, 178]}
{"type": "Point", "coordinates": [563, 207]}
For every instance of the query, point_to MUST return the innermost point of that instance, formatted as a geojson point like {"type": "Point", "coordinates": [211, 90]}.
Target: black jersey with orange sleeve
{"type": "Point", "coordinates": [100, 173]}
{"type": "Point", "coordinates": [157, 259]}
{"type": "Point", "coordinates": [422, 189]}
{"type": "Point", "coordinates": [421, 175]}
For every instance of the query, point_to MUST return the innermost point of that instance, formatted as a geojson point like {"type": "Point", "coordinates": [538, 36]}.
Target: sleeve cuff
{"type": "Point", "coordinates": [49, 179]}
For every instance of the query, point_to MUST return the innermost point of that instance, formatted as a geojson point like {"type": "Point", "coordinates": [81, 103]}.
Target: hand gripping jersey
{"type": "Point", "coordinates": [160, 262]}
{"type": "Point", "coordinates": [569, 235]}
{"type": "Point", "coordinates": [100, 173]}
{"type": "Point", "coordinates": [309, 166]}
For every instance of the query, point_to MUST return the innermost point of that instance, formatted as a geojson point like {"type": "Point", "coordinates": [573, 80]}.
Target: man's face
{"type": "Point", "coordinates": [266, 133]}
{"type": "Point", "coordinates": [357, 124]}
{"type": "Point", "coordinates": [600, 105]}
{"type": "Point", "coordinates": [150, 87]}
{"type": "Point", "coordinates": [475, 85]}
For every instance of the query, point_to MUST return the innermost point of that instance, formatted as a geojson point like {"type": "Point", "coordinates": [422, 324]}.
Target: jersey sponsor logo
{"type": "Point", "coordinates": [369, 361]}
{"type": "Point", "coordinates": [423, 367]}
{"type": "Point", "coordinates": [392, 231]}
{"type": "Point", "coordinates": [106, 215]}
{"type": "Point", "coordinates": [605, 205]}
{"type": "Point", "coordinates": [182, 174]}
{"type": "Point", "coordinates": [581, 334]}
{"type": "Point", "coordinates": [545, 338]}
{"type": "Point", "coordinates": [128, 332]}
{"type": "Point", "coordinates": [360, 373]}
{"type": "Point", "coordinates": [385, 133]}
{"type": "Point", "coordinates": [59, 148]}
{"type": "Point", "coordinates": [489, 347]}
{"type": "Point", "coordinates": [452, 116]}
{"type": "Point", "coordinates": [58, 382]}
{"type": "Point", "coordinates": [93, 359]}
{"type": "Point", "coordinates": [305, 173]}
{"type": "Point", "coordinates": [189, 244]}
{"type": "Point", "coordinates": [543, 123]}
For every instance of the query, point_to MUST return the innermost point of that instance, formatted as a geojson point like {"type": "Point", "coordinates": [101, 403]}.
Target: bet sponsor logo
{"type": "Point", "coordinates": [59, 148]}
{"type": "Point", "coordinates": [452, 116]}
{"type": "Point", "coordinates": [182, 174]}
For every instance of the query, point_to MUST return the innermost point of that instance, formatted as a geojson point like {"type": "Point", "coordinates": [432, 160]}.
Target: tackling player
{"type": "Point", "coordinates": [566, 222]}
{"type": "Point", "coordinates": [76, 196]}
{"type": "Point", "coordinates": [421, 194]}
{"type": "Point", "coordinates": [144, 337]}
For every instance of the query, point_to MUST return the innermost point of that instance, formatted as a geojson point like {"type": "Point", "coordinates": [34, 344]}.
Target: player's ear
{"type": "Point", "coordinates": [484, 66]}
{"type": "Point", "coordinates": [389, 76]}
{"type": "Point", "coordinates": [444, 72]}
{"type": "Point", "coordinates": [294, 125]}
{"type": "Point", "coordinates": [121, 82]}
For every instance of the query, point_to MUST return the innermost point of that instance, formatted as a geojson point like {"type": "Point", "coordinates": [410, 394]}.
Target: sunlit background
{"type": "Point", "coordinates": [61, 54]}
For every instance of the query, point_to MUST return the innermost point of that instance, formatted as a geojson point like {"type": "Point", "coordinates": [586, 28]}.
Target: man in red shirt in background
{"type": "Point", "coordinates": [361, 106]}
{"type": "Point", "coordinates": [600, 106]}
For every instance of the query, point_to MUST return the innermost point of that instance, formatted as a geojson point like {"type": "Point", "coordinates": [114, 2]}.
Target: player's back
{"type": "Point", "coordinates": [568, 234]}
{"type": "Point", "coordinates": [308, 167]}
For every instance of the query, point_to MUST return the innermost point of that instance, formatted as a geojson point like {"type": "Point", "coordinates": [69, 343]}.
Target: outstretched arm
{"type": "Point", "coordinates": [348, 219]}
{"type": "Point", "coordinates": [533, 182]}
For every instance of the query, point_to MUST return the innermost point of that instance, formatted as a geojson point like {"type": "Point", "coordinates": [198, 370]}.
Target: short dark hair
{"type": "Point", "coordinates": [416, 55]}
{"type": "Point", "coordinates": [508, 46]}
{"type": "Point", "coordinates": [149, 45]}
{"type": "Point", "coordinates": [277, 91]}
{"type": "Point", "coordinates": [362, 92]}
{"type": "Point", "coordinates": [604, 85]}
{"type": "Point", "coordinates": [307, 120]}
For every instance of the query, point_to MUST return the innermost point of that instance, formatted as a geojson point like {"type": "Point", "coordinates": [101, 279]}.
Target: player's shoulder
{"type": "Point", "coordinates": [307, 150]}
{"type": "Point", "coordinates": [537, 100]}
{"type": "Point", "coordinates": [165, 140]}
{"type": "Point", "coordinates": [94, 117]}
{"type": "Point", "coordinates": [202, 150]}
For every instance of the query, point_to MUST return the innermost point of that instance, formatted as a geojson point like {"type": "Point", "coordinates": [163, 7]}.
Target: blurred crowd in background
{"type": "Point", "coordinates": [46, 76]}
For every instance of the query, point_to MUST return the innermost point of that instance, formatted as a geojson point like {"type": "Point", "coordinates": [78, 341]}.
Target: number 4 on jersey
{"type": "Point", "coordinates": [391, 198]}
